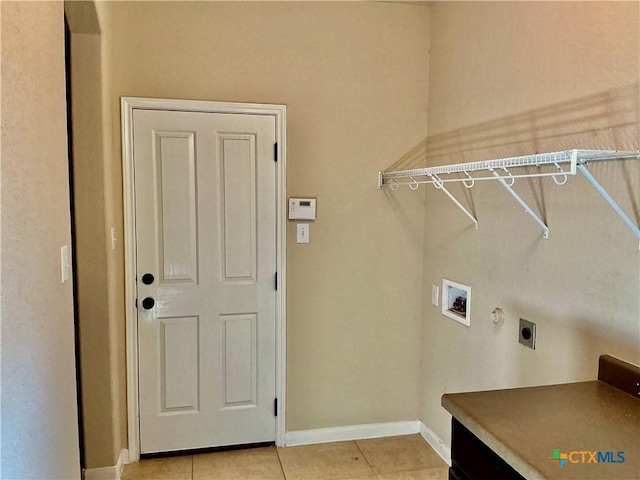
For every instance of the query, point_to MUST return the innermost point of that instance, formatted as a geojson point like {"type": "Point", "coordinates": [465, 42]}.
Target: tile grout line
{"type": "Point", "coordinates": [414, 469]}
{"type": "Point", "coordinates": [366, 459]}
{"type": "Point", "coordinates": [284, 475]}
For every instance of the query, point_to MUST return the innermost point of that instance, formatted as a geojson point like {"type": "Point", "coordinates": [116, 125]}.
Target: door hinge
{"type": "Point", "coordinates": [276, 280]}
{"type": "Point", "coordinates": [275, 407]}
{"type": "Point", "coordinates": [275, 152]}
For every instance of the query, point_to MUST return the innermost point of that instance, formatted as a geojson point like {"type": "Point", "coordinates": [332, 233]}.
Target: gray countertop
{"type": "Point", "coordinates": [525, 425]}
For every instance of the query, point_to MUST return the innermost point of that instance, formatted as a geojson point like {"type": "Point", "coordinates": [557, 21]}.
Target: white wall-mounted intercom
{"type": "Point", "coordinates": [302, 209]}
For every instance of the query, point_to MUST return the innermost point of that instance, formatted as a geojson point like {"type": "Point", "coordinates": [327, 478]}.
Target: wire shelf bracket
{"type": "Point", "coordinates": [439, 184]}
{"type": "Point", "coordinates": [523, 204]}
{"type": "Point", "coordinates": [592, 180]}
{"type": "Point", "coordinates": [574, 161]}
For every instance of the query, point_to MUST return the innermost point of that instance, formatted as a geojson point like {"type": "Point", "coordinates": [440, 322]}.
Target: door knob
{"type": "Point", "coordinates": [148, 303]}
{"type": "Point", "coordinates": [147, 278]}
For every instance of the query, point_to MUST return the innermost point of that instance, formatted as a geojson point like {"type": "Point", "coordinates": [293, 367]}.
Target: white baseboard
{"type": "Point", "coordinates": [108, 473]}
{"type": "Point", "coordinates": [123, 459]}
{"type": "Point", "coordinates": [351, 432]}
{"type": "Point", "coordinates": [436, 443]}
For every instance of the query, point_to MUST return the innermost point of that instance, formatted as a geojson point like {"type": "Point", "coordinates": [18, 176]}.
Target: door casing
{"type": "Point", "coordinates": [128, 105]}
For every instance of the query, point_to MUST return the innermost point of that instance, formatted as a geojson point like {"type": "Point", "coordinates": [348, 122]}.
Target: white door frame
{"type": "Point", "coordinates": [128, 105]}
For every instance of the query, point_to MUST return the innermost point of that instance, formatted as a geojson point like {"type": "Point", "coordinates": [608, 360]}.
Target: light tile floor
{"type": "Point", "coordinates": [407, 457]}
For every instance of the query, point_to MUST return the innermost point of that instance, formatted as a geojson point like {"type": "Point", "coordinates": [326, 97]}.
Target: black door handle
{"type": "Point", "coordinates": [148, 303]}
{"type": "Point", "coordinates": [147, 278]}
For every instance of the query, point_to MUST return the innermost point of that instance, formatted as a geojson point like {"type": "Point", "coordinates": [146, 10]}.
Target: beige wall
{"type": "Point", "coordinates": [39, 414]}
{"type": "Point", "coordinates": [518, 78]}
{"type": "Point", "coordinates": [91, 248]}
{"type": "Point", "coordinates": [354, 79]}
{"type": "Point", "coordinates": [102, 358]}
{"type": "Point", "coordinates": [113, 219]}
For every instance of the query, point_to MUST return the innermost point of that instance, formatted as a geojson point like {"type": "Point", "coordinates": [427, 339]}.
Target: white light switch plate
{"type": "Point", "coordinates": [64, 263]}
{"type": "Point", "coordinates": [303, 233]}
{"type": "Point", "coordinates": [113, 238]}
{"type": "Point", "coordinates": [435, 294]}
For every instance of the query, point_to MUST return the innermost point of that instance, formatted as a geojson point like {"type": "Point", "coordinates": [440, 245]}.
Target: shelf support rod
{"type": "Point", "coordinates": [523, 204]}
{"type": "Point", "coordinates": [600, 189]}
{"type": "Point", "coordinates": [440, 186]}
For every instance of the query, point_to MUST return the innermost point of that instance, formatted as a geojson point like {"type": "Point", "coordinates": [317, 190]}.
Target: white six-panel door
{"type": "Point", "coordinates": [205, 198]}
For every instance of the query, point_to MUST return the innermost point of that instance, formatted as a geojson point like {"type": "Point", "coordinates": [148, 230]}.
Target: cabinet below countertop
{"type": "Point", "coordinates": [592, 428]}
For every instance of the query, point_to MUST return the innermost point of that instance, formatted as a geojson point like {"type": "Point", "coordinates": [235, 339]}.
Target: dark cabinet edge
{"type": "Point", "coordinates": [619, 374]}
{"type": "Point", "coordinates": [472, 459]}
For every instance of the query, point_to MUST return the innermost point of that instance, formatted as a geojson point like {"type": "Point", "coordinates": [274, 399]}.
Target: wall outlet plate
{"type": "Point", "coordinates": [527, 333]}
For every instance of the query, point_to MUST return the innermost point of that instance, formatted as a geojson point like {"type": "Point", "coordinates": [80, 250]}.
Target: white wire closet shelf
{"type": "Point", "coordinates": [557, 165]}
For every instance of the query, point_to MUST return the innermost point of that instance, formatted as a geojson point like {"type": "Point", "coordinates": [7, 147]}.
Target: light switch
{"type": "Point", "coordinates": [435, 294]}
{"type": "Point", "coordinates": [303, 233]}
{"type": "Point", "coordinates": [64, 263]}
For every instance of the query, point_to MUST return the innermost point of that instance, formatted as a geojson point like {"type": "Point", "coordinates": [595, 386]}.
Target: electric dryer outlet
{"type": "Point", "coordinates": [527, 333]}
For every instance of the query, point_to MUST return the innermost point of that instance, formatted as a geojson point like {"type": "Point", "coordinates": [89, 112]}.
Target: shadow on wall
{"type": "Point", "coordinates": [601, 121]}
{"type": "Point", "coordinates": [604, 120]}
